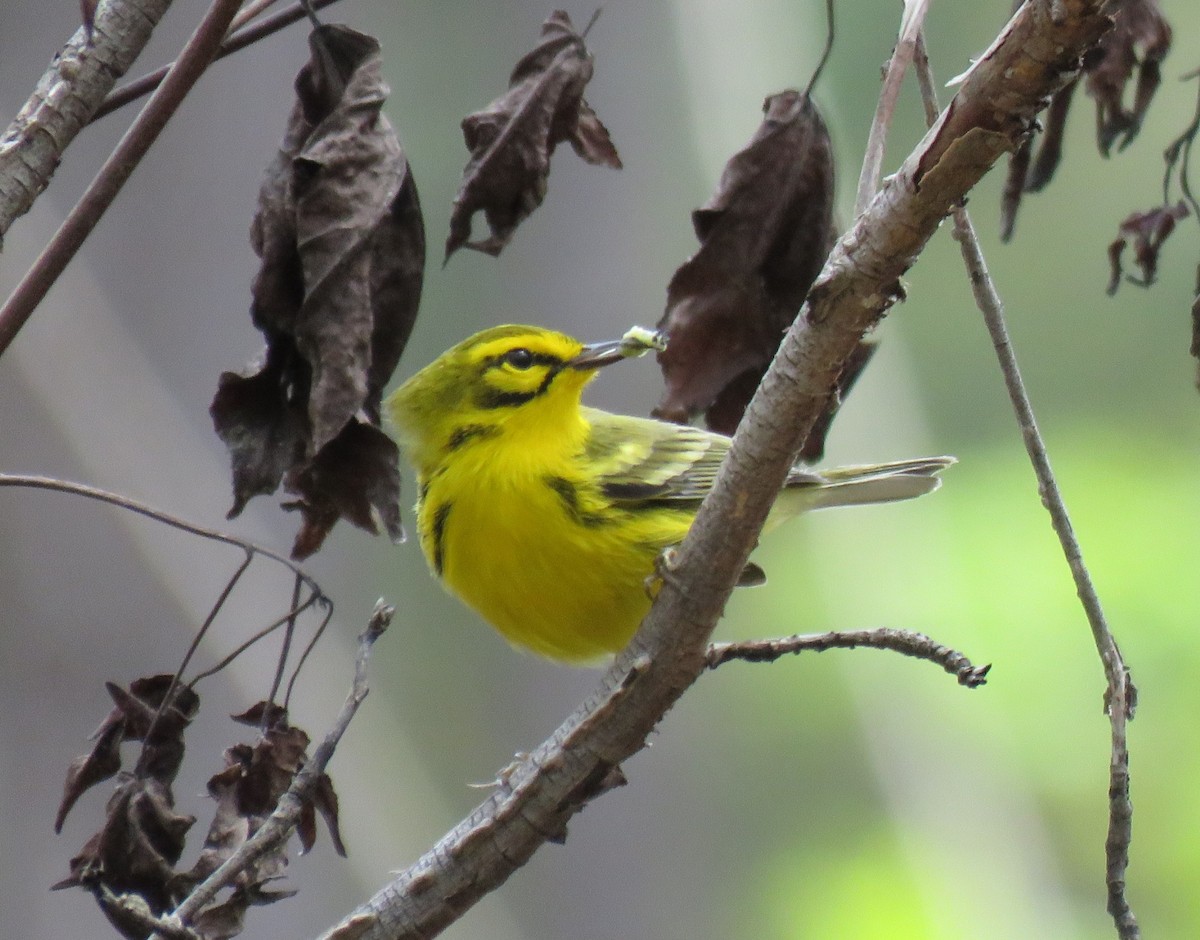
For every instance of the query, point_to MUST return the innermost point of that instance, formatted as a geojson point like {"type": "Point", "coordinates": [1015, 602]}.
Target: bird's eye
{"type": "Point", "coordinates": [519, 358]}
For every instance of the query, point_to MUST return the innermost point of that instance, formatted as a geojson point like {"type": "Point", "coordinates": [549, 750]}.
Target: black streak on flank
{"type": "Point", "coordinates": [469, 432]}
{"type": "Point", "coordinates": [569, 495]}
{"type": "Point", "coordinates": [439, 532]}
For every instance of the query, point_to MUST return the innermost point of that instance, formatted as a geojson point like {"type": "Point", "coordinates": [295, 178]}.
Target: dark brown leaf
{"type": "Point", "coordinates": [326, 801]}
{"type": "Point", "coordinates": [263, 715]}
{"type": "Point", "coordinates": [1147, 231]}
{"type": "Point", "coordinates": [99, 764]}
{"type": "Point", "coordinates": [813, 448]}
{"type": "Point", "coordinates": [764, 236]}
{"type": "Point", "coordinates": [342, 243]}
{"type": "Point", "coordinates": [511, 140]}
{"type": "Point", "coordinates": [264, 428]}
{"type": "Point", "coordinates": [131, 720]}
{"type": "Point", "coordinates": [1140, 38]}
{"type": "Point", "coordinates": [356, 476]}
{"type": "Point", "coordinates": [135, 851]}
{"type": "Point", "coordinates": [1139, 26]}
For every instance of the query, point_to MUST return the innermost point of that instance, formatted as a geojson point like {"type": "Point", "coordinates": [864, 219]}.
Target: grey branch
{"type": "Point", "coordinates": [994, 107]}
{"type": "Point", "coordinates": [67, 96]}
{"type": "Point", "coordinates": [905, 642]}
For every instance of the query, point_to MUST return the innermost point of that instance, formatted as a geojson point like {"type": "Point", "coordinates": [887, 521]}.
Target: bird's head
{"type": "Point", "coordinates": [520, 375]}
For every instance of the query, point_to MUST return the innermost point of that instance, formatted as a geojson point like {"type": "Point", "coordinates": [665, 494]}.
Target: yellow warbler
{"type": "Point", "coordinates": [547, 516]}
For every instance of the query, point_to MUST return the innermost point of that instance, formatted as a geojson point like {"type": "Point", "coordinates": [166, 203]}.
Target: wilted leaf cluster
{"type": "Point", "coordinates": [764, 236]}
{"type": "Point", "coordinates": [1147, 231]}
{"type": "Point", "coordinates": [136, 851]}
{"type": "Point", "coordinates": [341, 238]}
{"type": "Point", "coordinates": [511, 140]}
{"type": "Point", "coordinates": [1138, 41]}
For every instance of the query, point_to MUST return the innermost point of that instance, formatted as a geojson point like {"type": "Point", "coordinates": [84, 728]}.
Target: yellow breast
{"type": "Point", "coordinates": [537, 552]}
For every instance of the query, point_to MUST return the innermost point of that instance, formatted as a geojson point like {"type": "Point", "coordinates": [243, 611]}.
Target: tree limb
{"type": "Point", "coordinates": [537, 796]}
{"type": "Point", "coordinates": [117, 169]}
{"type": "Point", "coordinates": [67, 96]}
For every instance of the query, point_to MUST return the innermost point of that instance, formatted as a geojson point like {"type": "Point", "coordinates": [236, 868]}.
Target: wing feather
{"type": "Point", "coordinates": [639, 460]}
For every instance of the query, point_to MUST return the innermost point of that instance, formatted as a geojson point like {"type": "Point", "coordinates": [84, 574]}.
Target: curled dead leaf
{"type": "Point", "coordinates": [764, 237]}
{"type": "Point", "coordinates": [1139, 40]}
{"type": "Point", "coordinates": [341, 237]}
{"type": "Point", "coordinates": [511, 140]}
{"type": "Point", "coordinates": [1148, 231]}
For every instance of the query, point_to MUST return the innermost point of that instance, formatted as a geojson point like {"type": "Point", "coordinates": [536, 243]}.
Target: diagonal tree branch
{"type": "Point", "coordinates": [67, 96]}
{"type": "Point", "coordinates": [1034, 55]}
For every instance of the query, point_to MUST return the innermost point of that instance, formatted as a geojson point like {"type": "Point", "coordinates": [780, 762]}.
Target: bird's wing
{"type": "Point", "coordinates": [639, 459]}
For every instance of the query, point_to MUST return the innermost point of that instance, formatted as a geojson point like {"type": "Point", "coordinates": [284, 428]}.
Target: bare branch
{"type": "Point", "coordinates": [236, 42]}
{"type": "Point", "coordinates": [539, 794]}
{"type": "Point", "coordinates": [67, 95]}
{"type": "Point", "coordinates": [885, 108]}
{"type": "Point", "coordinates": [1121, 695]}
{"type": "Point", "coordinates": [116, 170]}
{"type": "Point", "coordinates": [905, 642]}
{"type": "Point", "coordinates": [158, 515]}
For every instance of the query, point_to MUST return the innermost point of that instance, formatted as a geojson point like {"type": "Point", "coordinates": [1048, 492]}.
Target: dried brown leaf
{"type": "Point", "coordinates": [342, 243]}
{"type": "Point", "coordinates": [130, 720]}
{"type": "Point", "coordinates": [135, 851]}
{"type": "Point", "coordinates": [511, 140]}
{"type": "Point", "coordinates": [764, 236]}
{"type": "Point", "coordinates": [355, 476]}
{"type": "Point", "coordinates": [1140, 38]}
{"type": "Point", "coordinates": [1147, 231]}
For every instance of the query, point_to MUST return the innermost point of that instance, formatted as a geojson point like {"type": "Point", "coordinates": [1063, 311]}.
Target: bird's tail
{"type": "Point", "coordinates": [857, 486]}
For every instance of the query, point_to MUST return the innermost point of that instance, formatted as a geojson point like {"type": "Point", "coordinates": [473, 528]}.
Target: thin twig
{"type": "Point", "coordinates": [261, 634]}
{"type": "Point", "coordinates": [124, 502]}
{"type": "Point", "coordinates": [312, 643]}
{"type": "Point", "coordinates": [1120, 696]}
{"type": "Point", "coordinates": [282, 822]}
{"type": "Point", "coordinates": [885, 108]}
{"type": "Point", "coordinates": [236, 42]}
{"type": "Point", "coordinates": [906, 642]}
{"type": "Point", "coordinates": [117, 169]}
{"type": "Point", "coordinates": [169, 695]}
{"type": "Point", "coordinates": [285, 650]}
{"type": "Point", "coordinates": [825, 53]}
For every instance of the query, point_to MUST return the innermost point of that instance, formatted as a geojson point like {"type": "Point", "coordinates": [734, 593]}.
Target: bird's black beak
{"type": "Point", "coordinates": [596, 355]}
{"type": "Point", "coordinates": [636, 342]}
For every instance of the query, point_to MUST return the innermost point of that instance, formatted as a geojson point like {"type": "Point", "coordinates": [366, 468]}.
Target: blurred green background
{"type": "Point", "coordinates": [850, 794]}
